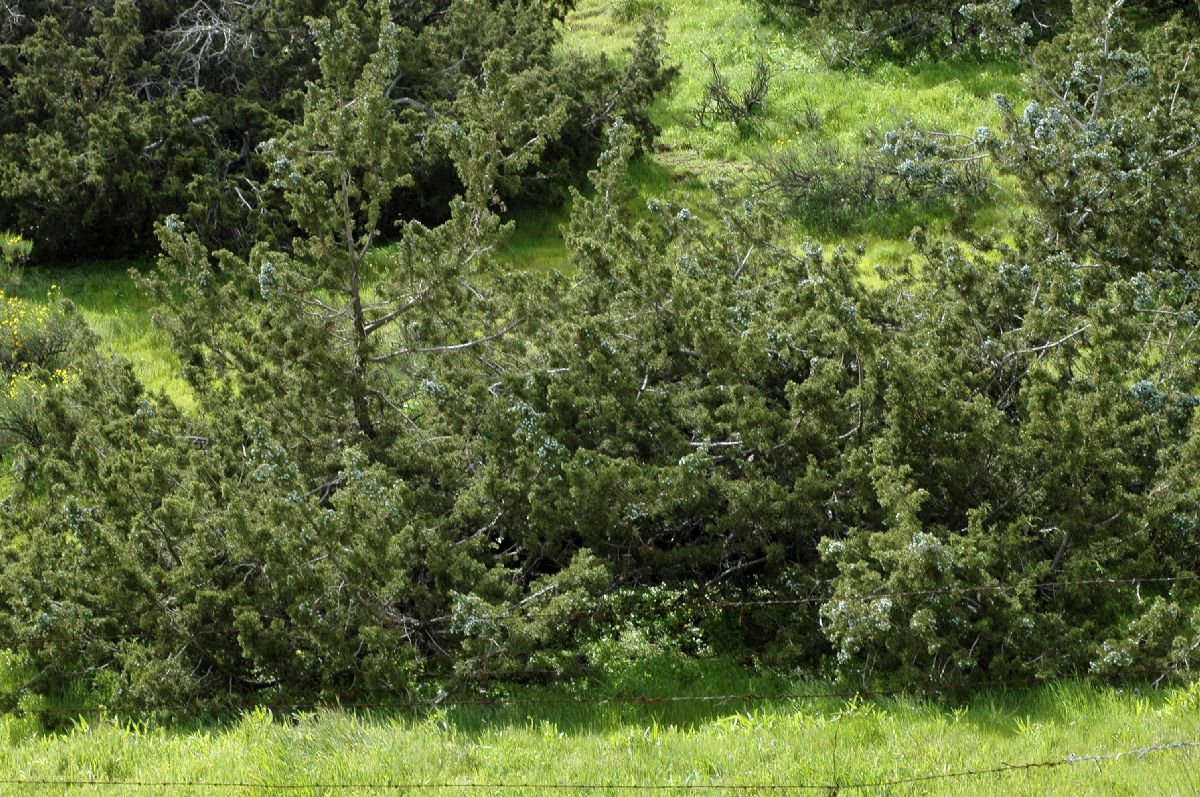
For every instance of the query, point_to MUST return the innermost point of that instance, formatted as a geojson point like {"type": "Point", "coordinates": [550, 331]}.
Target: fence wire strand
{"type": "Point", "coordinates": [10, 705]}
{"type": "Point", "coordinates": [445, 700]}
{"type": "Point", "coordinates": [671, 605]}
{"type": "Point", "coordinates": [1071, 759]}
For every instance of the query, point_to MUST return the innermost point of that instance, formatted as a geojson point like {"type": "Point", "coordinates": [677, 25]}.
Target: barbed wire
{"type": "Point", "coordinates": [445, 700]}
{"type": "Point", "coordinates": [10, 702]}
{"type": "Point", "coordinates": [409, 624]}
{"type": "Point", "coordinates": [1071, 759]}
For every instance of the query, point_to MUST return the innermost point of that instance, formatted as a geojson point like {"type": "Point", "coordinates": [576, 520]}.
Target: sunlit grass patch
{"type": "Point", "coordinates": [536, 243]}
{"type": "Point", "coordinates": [112, 305]}
{"type": "Point", "coordinates": [809, 106]}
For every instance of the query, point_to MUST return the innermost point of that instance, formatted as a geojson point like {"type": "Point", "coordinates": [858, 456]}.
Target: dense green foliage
{"type": "Point", "coordinates": [1109, 148]}
{"type": "Point", "coordinates": [854, 32]}
{"type": "Point", "coordinates": [861, 30]}
{"type": "Point", "coordinates": [407, 458]}
{"type": "Point", "coordinates": [115, 113]}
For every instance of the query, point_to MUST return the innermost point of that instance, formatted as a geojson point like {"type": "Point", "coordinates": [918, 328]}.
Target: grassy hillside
{"type": "Point", "coordinates": [809, 106]}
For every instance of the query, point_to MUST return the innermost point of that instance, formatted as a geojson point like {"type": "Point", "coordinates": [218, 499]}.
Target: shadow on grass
{"type": "Point", "coordinates": [537, 241]}
{"type": "Point", "coordinates": [981, 78]}
{"type": "Point", "coordinates": [680, 692]}
{"type": "Point", "coordinates": [894, 223]}
{"type": "Point", "coordinates": [97, 287]}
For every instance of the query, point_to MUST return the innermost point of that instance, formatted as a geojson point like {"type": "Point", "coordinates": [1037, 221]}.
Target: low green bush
{"type": "Point", "coordinates": [14, 254]}
{"type": "Point", "coordinates": [835, 189]}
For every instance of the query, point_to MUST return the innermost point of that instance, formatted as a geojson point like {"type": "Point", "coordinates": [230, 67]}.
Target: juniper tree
{"type": "Point", "coordinates": [1110, 147]}
{"type": "Point", "coordinates": [115, 114]}
{"type": "Point", "coordinates": [403, 458]}
{"type": "Point", "coordinates": [686, 415]}
{"type": "Point", "coordinates": [1066, 386]}
{"type": "Point", "coordinates": [299, 527]}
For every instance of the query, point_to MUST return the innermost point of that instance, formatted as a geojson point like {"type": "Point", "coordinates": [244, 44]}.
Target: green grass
{"type": "Point", "coordinates": [536, 242]}
{"type": "Point", "coordinates": [792, 743]}
{"type": "Point", "coordinates": [119, 313]}
{"type": "Point", "coordinates": [954, 95]}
